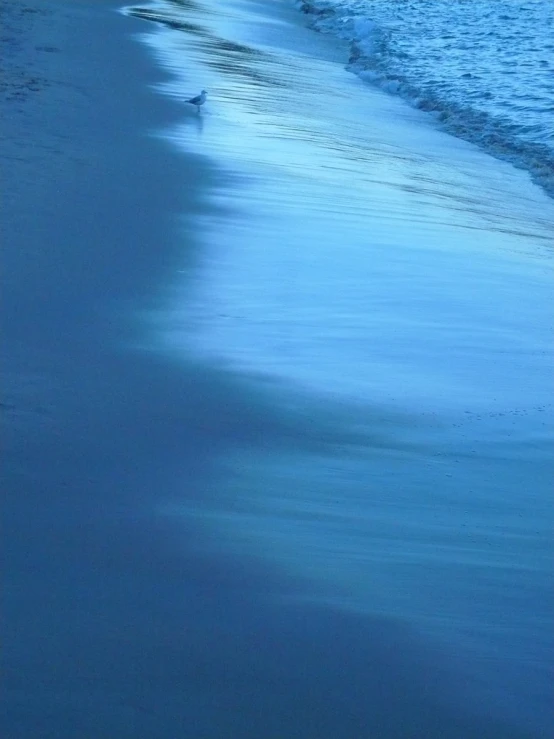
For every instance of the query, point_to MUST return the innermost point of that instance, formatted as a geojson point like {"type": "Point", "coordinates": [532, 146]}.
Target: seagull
{"type": "Point", "coordinates": [198, 100]}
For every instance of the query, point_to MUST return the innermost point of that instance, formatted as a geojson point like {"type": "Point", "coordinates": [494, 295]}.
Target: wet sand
{"type": "Point", "coordinates": [391, 283]}
{"type": "Point", "coordinates": [121, 621]}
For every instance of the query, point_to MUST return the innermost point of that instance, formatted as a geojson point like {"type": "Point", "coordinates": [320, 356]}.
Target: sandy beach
{"type": "Point", "coordinates": [276, 411]}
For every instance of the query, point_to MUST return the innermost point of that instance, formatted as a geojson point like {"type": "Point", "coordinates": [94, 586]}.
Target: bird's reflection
{"type": "Point", "coordinates": [198, 123]}
{"type": "Point", "coordinates": [195, 121]}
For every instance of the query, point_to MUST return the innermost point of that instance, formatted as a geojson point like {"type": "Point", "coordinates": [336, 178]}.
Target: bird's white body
{"type": "Point", "coordinates": [198, 100]}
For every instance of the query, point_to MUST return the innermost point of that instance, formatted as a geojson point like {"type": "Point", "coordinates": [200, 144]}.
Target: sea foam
{"type": "Point", "coordinates": [481, 69]}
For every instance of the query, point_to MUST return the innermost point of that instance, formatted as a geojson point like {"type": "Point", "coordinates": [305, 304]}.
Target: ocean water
{"type": "Point", "coordinates": [382, 290]}
{"type": "Point", "coordinates": [483, 68]}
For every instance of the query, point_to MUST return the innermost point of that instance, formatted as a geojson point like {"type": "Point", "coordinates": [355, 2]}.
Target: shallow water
{"type": "Point", "coordinates": [386, 288]}
{"type": "Point", "coordinates": [483, 68]}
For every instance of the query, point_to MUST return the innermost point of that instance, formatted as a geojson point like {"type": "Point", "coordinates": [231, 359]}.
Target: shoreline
{"type": "Point", "coordinates": [536, 159]}
{"type": "Point", "coordinates": [122, 620]}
